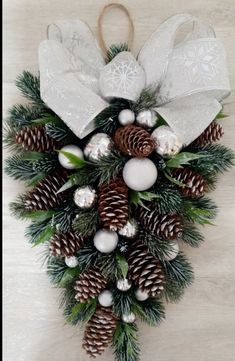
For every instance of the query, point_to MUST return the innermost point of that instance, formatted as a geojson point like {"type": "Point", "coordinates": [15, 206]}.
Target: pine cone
{"type": "Point", "coordinates": [145, 270]}
{"type": "Point", "coordinates": [167, 226]}
{"type": "Point", "coordinates": [99, 331]}
{"type": "Point", "coordinates": [196, 186]}
{"type": "Point", "coordinates": [65, 244]}
{"type": "Point", "coordinates": [134, 141]}
{"type": "Point", "coordinates": [113, 204]}
{"type": "Point", "coordinates": [89, 285]}
{"type": "Point", "coordinates": [211, 134]}
{"type": "Point", "coordinates": [44, 196]}
{"type": "Point", "coordinates": [35, 139]}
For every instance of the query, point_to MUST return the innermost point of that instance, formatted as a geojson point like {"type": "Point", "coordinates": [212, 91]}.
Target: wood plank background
{"type": "Point", "coordinates": [202, 326]}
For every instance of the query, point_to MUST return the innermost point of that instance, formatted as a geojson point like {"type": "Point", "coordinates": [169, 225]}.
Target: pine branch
{"type": "Point", "coordinates": [47, 163]}
{"type": "Point", "coordinates": [159, 248]}
{"type": "Point", "coordinates": [173, 292]}
{"type": "Point", "coordinates": [201, 210]}
{"type": "Point", "coordinates": [86, 222]}
{"type": "Point", "coordinates": [56, 268]}
{"type": "Point", "coordinates": [22, 115]}
{"type": "Point", "coordinates": [36, 230]}
{"type": "Point", "coordinates": [87, 256]}
{"type": "Point", "coordinates": [150, 311]}
{"type": "Point", "coordinates": [19, 168]}
{"type": "Point", "coordinates": [114, 50]}
{"type": "Point", "coordinates": [147, 100]}
{"type": "Point", "coordinates": [60, 132]}
{"type": "Point", "coordinates": [169, 199]}
{"type": "Point", "coordinates": [64, 217]}
{"type": "Point", "coordinates": [122, 301]}
{"type": "Point", "coordinates": [80, 311]}
{"type": "Point", "coordinates": [29, 85]}
{"type": "Point", "coordinates": [125, 342]}
{"type": "Point", "coordinates": [179, 270]}
{"type": "Point", "coordinates": [191, 235]}
{"type": "Point", "coordinates": [109, 266]}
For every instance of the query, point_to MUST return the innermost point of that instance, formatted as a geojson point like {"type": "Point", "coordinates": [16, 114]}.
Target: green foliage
{"type": "Point", "coordinates": [19, 168]}
{"type": "Point", "coordinates": [150, 311]}
{"type": "Point", "coordinates": [183, 158]}
{"type": "Point", "coordinates": [191, 235]}
{"type": "Point", "coordinates": [20, 116]}
{"type": "Point", "coordinates": [86, 222]}
{"type": "Point", "coordinates": [40, 232]}
{"type": "Point", "coordinates": [63, 217]}
{"type": "Point", "coordinates": [122, 264]}
{"type": "Point", "coordinates": [47, 163]}
{"type": "Point", "coordinates": [122, 301]}
{"type": "Point", "coordinates": [56, 269]}
{"type": "Point", "coordinates": [169, 200]}
{"type": "Point", "coordinates": [82, 311]}
{"type": "Point", "coordinates": [173, 292]}
{"type": "Point", "coordinates": [137, 198]}
{"type": "Point", "coordinates": [74, 159]}
{"type": "Point", "coordinates": [125, 342]}
{"type": "Point", "coordinates": [179, 270]}
{"type": "Point", "coordinates": [159, 248]}
{"type": "Point", "coordinates": [114, 50]}
{"type": "Point", "coordinates": [69, 275]}
{"type": "Point", "coordinates": [60, 132]}
{"type": "Point", "coordinates": [147, 100]}
{"type": "Point", "coordinates": [29, 85]}
{"type": "Point", "coordinates": [201, 210]}
{"type": "Point", "coordinates": [87, 256]}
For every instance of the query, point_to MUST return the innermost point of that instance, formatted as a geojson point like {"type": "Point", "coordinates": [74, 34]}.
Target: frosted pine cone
{"type": "Point", "coordinates": [195, 184]}
{"type": "Point", "coordinates": [89, 285]}
{"type": "Point", "coordinates": [35, 139]}
{"type": "Point", "coordinates": [65, 244]}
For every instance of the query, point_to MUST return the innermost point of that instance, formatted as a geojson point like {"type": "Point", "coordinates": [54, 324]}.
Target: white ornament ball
{"type": "Point", "coordinates": [105, 241]}
{"type": "Point", "coordinates": [123, 284]}
{"type": "Point", "coordinates": [105, 298]}
{"type": "Point", "coordinates": [64, 161]}
{"type": "Point", "coordinates": [84, 197]}
{"type": "Point", "coordinates": [146, 118]}
{"type": "Point", "coordinates": [128, 318]}
{"type": "Point", "coordinates": [126, 116]}
{"type": "Point", "coordinates": [141, 295]}
{"type": "Point", "coordinates": [71, 262]}
{"type": "Point", "coordinates": [167, 142]}
{"type": "Point", "coordinates": [129, 230]}
{"type": "Point", "coordinates": [99, 145]}
{"type": "Point", "coordinates": [139, 174]}
{"type": "Point", "coordinates": [173, 252]}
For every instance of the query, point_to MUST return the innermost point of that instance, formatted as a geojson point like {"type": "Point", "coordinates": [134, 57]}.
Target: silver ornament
{"type": "Point", "coordinates": [71, 262]}
{"type": "Point", "coordinates": [146, 118]}
{"type": "Point", "coordinates": [128, 318]}
{"type": "Point", "coordinates": [129, 230]}
{"type": "Point", "coordinates": [85, 197]}
{"type": "Point", "coordinates": [141, 295]}
{"type": "Point", "coordinates": [73, 149]}
{"type": "Point", "coordinates": [173, 252]}
{"type": "Point", "coordinates": [99, 145]}
{"type": "Point", "coordinates": [123, 284]}
{"type": "Point", "coordinates": [105, 298]}
{"type": "Point", "coordinates": [167, 142]}
{"type": "Point", "coordinates": [126, 116]}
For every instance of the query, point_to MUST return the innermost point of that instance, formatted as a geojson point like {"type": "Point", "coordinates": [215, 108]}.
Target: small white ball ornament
{"type": "Point", "coordinates": [146, 118]}
{"type": "Point", "coordinates": [98, 146]}
{"type": "Point", "coordinates": [71, 262]}
{"type": "Point", "coordinates": [73, 149]}
{"type": "Point", "coordinates": [139, 174]}
{"type": "Point", "coordinates": [123, 284]}
{"type": "Point", "coordinates": [167, 142]}
{"type": "Point", "coordinates": [128, 318]}
{"type": "Point", "coordinates": [126, 116]}
{"type": "Point", "coordinates": [141, 295]}
{"type": "Point", "coordinates": [129, 230]}
{"type": "Point", "coordinates": [84, 197]}
{"type": "Point", "coordinates": [105, 298]}
{"type": "Point", "coordinates": [173, 252]}
{"type": "Point", "coordinates": [105, 241]}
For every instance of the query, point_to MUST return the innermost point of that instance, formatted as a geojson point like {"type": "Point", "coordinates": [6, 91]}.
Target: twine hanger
{"type": "Point", "coordinates": [100, 29]}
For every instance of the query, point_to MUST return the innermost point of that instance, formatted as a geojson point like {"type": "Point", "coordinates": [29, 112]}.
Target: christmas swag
{"type": "Point", "coordinates": [119, 154]}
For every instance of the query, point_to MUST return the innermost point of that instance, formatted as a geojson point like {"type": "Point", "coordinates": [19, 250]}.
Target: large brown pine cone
{"type": "Point", "coordinates": [44, 196]}
{"type": "Point", "coordinates": [113, 204]}
{"type": "Point", "coordinates": [99, 331]}
{"type": "Point", "coordinates": [168, 226]}
{"type": "Point", "coordinates": [145, 270]}
{"type": "Point", "coordinates": [35, 139]}
{"type": "Point", "coordinates": [196, 186]}
{"type": "Point", "coordinates": [89, 285]}
{"type": "Point", "coordinates": [65, 244]}
{"type": "Point", "coordinates": [211, 134]}
{"type": "Point", "coordinates": [134, 141]}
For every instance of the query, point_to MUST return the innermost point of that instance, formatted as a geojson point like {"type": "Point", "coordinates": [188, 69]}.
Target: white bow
{"type": "Point", "coordinates": [191, 77]}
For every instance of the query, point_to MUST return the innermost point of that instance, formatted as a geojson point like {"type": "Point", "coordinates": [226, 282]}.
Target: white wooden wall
{"type": "Point", "coordinates": [202, 326]}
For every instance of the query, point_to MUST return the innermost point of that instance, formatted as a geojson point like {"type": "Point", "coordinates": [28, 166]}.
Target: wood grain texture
{"type": "Point", "coordinates": [202, 326]}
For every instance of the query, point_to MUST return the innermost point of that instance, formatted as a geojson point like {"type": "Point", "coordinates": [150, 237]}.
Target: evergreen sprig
{"type": "Point", "coordinates": [147, 100]}
{"type": "Point", "coordinates": [179, 270]}
{"type": "Point", "coordinates": [29, 85]}
{"type": "Point", "coordinates": [114, 50]}
{"type": "Point", "coordinates": [125, 342]}
{"type": "Point", "coordinates": [20, 116]}
{"type": "Point", "coordinates": [19, 168]}
{"type": "Point", "coordinates": [191, 235]}
{"type": "Point", "coordinates": [150, 311]}
{"type": "Point", "coordinates": [86, 222]}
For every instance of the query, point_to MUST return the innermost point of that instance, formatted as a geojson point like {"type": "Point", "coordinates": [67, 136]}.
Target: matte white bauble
{"type": "Point", "coordinates": [105, 298]}
{"type": "Point", "coordinates": [139, 174]}
{"type": "Point", "coordinates": [126, 116]}
{"type": "Point", "coordinates": [71, 262]}
{"type": "Point", "coordinates": [173, 252]}
{"type": "Point", "coordinates": [141, 295]}
{"type": "Point", "coordinates": [105, 241]}
{"type": "Point", "coordinates": [128, 318]}
{"type": "Point", "coordinates": [146, 118]}
{"type": "Point", "coordinates": [167, 142]}
{"type": "Point", "coordinates": [123, 284]}
{"type": "Point", "coordinates": [73, 149]}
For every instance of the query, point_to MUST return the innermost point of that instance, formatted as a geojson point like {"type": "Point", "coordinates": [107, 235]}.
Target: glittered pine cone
{"type": "Point", "coordinates": [99, 331]}
{"type": "Point", "coordinates": [113, 204]}
{"type": "Point", "coordinates": [35, 139]}
{"type": "Point", "coordinates": [65, 244]}
{"type": "Point", "coordinates": [89, 285]}
{"type": "Point", "coordinates": [145, 271]}
{"type": "Point", "coordinates": [168, 226]}
{"type": "Point", "coordinates": [133, 140]}
{"type": "Point", "coordinates": [211, 134]}
{"type": "Point", "coordinates": [195, 184]}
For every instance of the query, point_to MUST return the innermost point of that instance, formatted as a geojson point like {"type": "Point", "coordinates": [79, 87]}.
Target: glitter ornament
{"type": "Point", "coordinates": [73, 149]}
{"type": "Point", "coordinates": [146, 118]}
{"type": "Point", "coordinates": [123, 284]}
{"type": "Point", "coordinates": [167, 142]}
{"type": "Point", "coordinates": [128, 318]}
{"type": "Point", "coordinates": [129, 230]}
{"type": "Point", "coordinates": [84, 197]}
{"type": "Point", "coordinates": [98, 146]}
{"type": "Point", "coordinates": [173, 252]}
{"type": "Point", "coordinates": [139, 174]}
{"type": "Point", "coordinates": [105, 241]}
{"type": "Point", "coordinates": [126, 116]}
{"type": "Point", "coordinates": [71, 262]}
{"type": "Point", "coordinates": [105, 298]}
{"type": "Point", "coordinates": [141, 295]}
